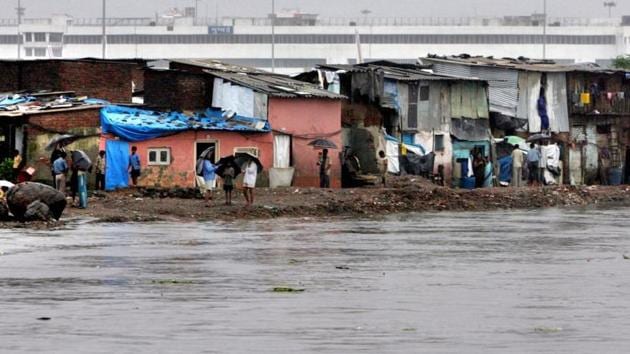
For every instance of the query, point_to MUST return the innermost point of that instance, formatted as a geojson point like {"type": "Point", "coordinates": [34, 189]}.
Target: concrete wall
{"type": "Point", "coordinates": [307, 119]}
{"type": "Point", "coordinates": [43, 127]}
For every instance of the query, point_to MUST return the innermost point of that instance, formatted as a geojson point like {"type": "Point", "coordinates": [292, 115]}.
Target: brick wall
{"type": "Point", "coordinates": [177, 90]}
{"type": "Point", "coordinates": [8, 76]}
{"type": "Point", "coordinates": [106, 80]}
{"type": "Point", "coordinates": [65, 121]}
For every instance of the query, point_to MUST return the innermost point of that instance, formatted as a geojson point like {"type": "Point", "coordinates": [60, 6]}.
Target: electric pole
{"type": "Point", "coordinates": [20, 13]}
{"type": "Point", "coordinates": [104, 40]}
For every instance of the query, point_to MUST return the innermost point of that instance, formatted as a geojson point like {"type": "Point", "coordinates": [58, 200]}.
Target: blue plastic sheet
{"type": "Point", "coordinates": [131, 124]}
{"type": "Point", "coordinates": [505, 169]}
{"type": "Point", "coordinates": [116, 173]}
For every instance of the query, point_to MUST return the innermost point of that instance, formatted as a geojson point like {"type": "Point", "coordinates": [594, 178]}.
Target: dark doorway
{"type": "Point", "coordinates": [202, 146]}
{"type": "Point", "coordinates": [626, 179]}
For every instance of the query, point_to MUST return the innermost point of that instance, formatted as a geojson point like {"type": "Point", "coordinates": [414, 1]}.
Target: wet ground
{"type": "Point", "coordinates": [494, 282]}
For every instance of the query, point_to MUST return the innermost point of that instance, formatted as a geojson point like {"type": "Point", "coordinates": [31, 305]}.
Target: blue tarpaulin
{"type": "Point", "coordinates": [131, 124]}
{"type": "Point", "coordinates": [505, 168]}
{"type": "Point", "coordinates": [117, 171]}
{"type": "Point", "coordinates": [9, 101]}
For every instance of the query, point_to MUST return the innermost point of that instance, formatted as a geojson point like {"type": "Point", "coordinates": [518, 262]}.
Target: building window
{"type": "Point", "coordinates": [159, 156]}
{"type": "Point", "coordinates": [439, 142]}
{"type": "Point", "coordinates": [29, 52]}
{"type": "Point", "coordinates": [40, 36]}
{"type": "Point", "coordinates": [424, 93]}
{"type": "Point", "coordinates": [249, 150]}
{"type": "Point", "coordinates": [29, 36]}
{"type": "Point", "coordinates": [57, 52]}
{"type": "Point", "coordinates": [55, 37]}
{"type": "Point", "coordinates": [40, 52]}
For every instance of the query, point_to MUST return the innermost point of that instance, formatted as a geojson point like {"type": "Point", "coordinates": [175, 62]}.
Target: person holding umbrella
{"type": "Point", "coordinates": [209, 179]}
{"type": "Point", "coordinates": [228, 183]}
{"type": "Point", "coordinates": [324, 170]}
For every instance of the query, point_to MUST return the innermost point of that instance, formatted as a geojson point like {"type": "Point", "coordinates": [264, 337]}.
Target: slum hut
{"type": "Point", "coordinates": [169, 143]}
{"type": "Point", "coordinates": [443, 116]}
{"type": "Point", "coordinates": [28, 121]}
{"type": "Point", "coordinates": [599, 108]}
{"type": "Point", "coordinates": [297, 113]}
{"type": "Point", "coordinates": [526, 96]}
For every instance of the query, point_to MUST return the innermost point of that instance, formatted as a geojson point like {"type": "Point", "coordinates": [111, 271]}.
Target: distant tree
{"type": "Point", "coordinates": [622, 62]}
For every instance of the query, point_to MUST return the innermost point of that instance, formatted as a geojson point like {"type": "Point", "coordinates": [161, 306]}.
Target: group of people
{"type": "Point", "coordinates": [534, 164]}
{"type": "Point", "coordinates": [207, 179]}
{"type": "Point", "coordinates": [78, 177]}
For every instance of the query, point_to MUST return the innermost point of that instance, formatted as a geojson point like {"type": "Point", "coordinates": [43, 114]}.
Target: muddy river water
{"type": "Point", "coordinates": [519, 282]}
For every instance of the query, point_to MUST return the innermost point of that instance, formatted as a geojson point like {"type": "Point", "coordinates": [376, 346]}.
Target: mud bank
{"type": "Point", "coordinates": [403, 195]}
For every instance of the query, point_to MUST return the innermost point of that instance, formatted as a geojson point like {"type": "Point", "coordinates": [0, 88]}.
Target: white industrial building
{"type": "Point", "coordinates": [304, 40]}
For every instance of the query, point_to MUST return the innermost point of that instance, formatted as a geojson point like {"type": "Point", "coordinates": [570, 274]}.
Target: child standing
{"type": "Point", "coordinates": [228, 184]}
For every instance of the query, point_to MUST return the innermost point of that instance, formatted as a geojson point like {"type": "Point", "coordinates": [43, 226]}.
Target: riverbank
{"type": "Point", "coordinates": [403, 195]}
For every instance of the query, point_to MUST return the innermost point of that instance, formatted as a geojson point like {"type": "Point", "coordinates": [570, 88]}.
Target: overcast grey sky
{"type": "Point", "coordinates": [336, 8]}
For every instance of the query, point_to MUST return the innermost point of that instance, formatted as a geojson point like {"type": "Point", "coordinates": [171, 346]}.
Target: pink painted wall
{"type": "Point", "coordinates": [181, 171]}
{"type": "Point", "coordinates": [306, 119]}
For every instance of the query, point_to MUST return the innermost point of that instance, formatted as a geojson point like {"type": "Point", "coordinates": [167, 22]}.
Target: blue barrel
{"type": "Point", "coordinates": [468, 183]}
{"type": "Point", "coordinates": [615, 176]}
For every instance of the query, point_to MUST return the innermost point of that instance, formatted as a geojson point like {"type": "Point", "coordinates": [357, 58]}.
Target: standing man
{"type": "Point", "coordinates": [324, 170]}
{"type": "Point", "coordinates": [479, 170]}
{"type": "Point", "coordinates": [209, 179]}
{"type": "Point", "coordinates": [533, 157]}
{"type": "Point", "coordinates": [517, 167]}
{"type": "Point", "coordinates": [383, 167]}
{"type": "Point", "coordinates": [100, 171]}
{"type": "Point", "coordinates": [59, 169]}
{"type": "Point", "coordinates": [134, 165]}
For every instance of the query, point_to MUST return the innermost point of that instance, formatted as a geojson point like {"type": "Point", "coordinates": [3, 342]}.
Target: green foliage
{"type": "Point", "coordinates": [6, 170]}
{"type": "Point", "coordinates": [622, 62]}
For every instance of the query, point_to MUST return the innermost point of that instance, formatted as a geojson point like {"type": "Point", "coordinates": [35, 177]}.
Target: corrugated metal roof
{"type": "Point", "coordinates": [275, 85]}
{"type": "Point", "coordinates": [216, 65]}
{"type": "Point", "coordinates": [396, 71]}
{"type": "Point", "coordinates": [523, 64]}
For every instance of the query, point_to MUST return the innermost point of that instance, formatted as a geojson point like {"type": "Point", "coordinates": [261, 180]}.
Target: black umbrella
{"type": "Point", "coordinates": [224, 163]}
{"type": "Point", "coordinates": [538, 137]}
{"type": "Point", "coordinates": [61, 141]}
{"type": "Point", "coordinates": [80, 160]}
{"type": "Point", "coordinates": [323, 144]}
{"type": "Point", "coordinates": [206, 152]}
{"type": "Point", "coordinates": [241, 158]}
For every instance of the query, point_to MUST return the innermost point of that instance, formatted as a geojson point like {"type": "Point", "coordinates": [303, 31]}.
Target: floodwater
{"type": "Point", "coordinates": [520, 282]}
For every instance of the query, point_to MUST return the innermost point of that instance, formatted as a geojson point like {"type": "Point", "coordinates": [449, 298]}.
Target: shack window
{"type": "Point", "coordinates": [249, 150]}
{"type": "Point", "coordinates": [424, 93]}
{"type": "Point", "coordinates": [159, 156]}
{"type": "Point", "coordinates": [439, 142]}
